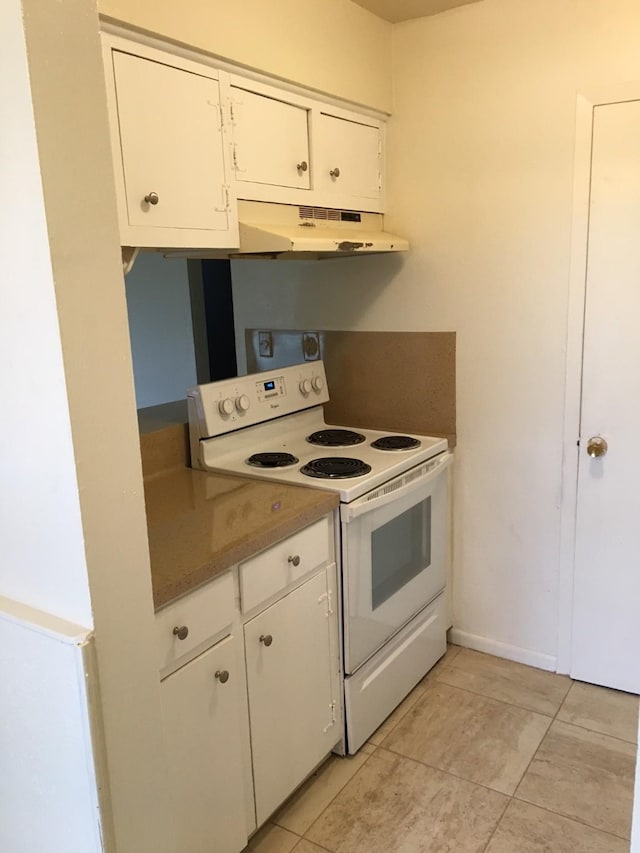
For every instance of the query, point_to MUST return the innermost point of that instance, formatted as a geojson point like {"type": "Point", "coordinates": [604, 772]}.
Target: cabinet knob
{"type": "Point", "coordinates": [266, 639]}
{"type": "Point", "coordinates": [295, 559]}
{"type": "Point", "coordinates": [181, 632]}
{"type": "Point", "coordinates": [303, 166]}
{"type": "Point", "coordinates": [335, 173]}
{"type": "Point", "coordinates": [222, 675]}
{"type": "Point", "coordinates": [152, 198]}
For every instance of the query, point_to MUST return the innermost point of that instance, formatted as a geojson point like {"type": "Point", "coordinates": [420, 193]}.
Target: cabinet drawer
{"type": "Point", "coordinates": [283, 564]}
{"type": "Point", "coordinates": [204, 613]}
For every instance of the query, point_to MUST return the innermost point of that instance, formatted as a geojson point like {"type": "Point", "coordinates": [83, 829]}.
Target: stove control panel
{"type": "Point", "coordinates": [269, 389]}
{"type": "Point", "coordinates": [231, 404]}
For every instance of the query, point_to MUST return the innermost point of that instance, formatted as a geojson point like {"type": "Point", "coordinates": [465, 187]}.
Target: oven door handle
{"type": "Point", "coordinates": [348, 512]}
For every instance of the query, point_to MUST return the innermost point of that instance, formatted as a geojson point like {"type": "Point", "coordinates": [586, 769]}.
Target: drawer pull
{"type": "Point", "coordinates": [152, 198]}
{"type": "Point", "coordinates": [222, 675]}
{"type": "Point", "coordinates": [266, 639]}
{"type": "Point", "coordinates": [295, 559]}
{"type": "Point", "coordinates": [181, 633]}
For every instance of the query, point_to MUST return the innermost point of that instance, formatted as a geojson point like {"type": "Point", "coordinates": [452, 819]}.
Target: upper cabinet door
{"type": "Point", "coordinates": [348, 165]}
{"type": "Point", "coordinates": [170, 137]}
{"type": "Point", "coordinates": [271, 141]}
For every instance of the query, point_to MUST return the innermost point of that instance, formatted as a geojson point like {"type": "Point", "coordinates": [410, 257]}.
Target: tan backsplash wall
{"type": "Point", "coordinates": [164, 437]}
{"type": "Point", "coordinates": [402, 381]}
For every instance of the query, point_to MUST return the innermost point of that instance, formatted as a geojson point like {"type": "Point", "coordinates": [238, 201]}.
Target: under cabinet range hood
{"type": "Point", "coordinates": [294, 231]}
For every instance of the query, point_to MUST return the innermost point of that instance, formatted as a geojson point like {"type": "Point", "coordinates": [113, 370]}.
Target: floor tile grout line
{"type": "Point", "coordinates": [304, 834]}
{"type": "Point", "coordinates": [447, 772]}
{"type": "Point", "coordinates": [533, 758]}
{"type": "Point", "coordinates": [337, 794]}
{"type": "Point", "coordinates": [596, 732]}
{"type": "Point", "coordinates": [495, 828]}
{"type": "Point", "coordinates": [562, 704]}
{"type": "Point", "coordinates": [315, 843]}
{"type": "Point", "coordinates": [570, 817]}
{"type": "Point", "coordinates": [493, 699]}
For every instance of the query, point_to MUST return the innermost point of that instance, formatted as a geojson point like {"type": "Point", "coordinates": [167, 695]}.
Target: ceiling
{"type": "Point", "coordinates": [403, 10]}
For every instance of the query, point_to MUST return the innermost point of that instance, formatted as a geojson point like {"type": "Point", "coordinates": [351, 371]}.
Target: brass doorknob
{"type": "Point", "coordinates": [597, 446]}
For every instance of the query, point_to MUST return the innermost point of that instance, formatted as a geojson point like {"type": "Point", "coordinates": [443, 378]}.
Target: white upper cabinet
{"type": "Point", "coordinates": [294, 149]}
{"type": "Point", "coordinates": [271, 141]}
{"type": "Point", "coordinates": [189, 138]}
{"type": "Point", "coordinates": [348, 167]}
{"type": "Point", "coordinates": [170, 151]}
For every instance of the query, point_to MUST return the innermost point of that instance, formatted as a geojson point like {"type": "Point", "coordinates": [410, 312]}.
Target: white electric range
{"type": "Point", "coordinates": [394, 520]}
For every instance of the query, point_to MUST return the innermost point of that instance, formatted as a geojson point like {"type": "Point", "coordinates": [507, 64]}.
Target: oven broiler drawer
{"type": "Point", "coordinates": [380, 684]}
{"type": "Point", "coordinates": [283, 564]}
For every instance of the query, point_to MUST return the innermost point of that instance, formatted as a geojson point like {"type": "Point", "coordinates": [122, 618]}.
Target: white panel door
{"type": "Point", "coordinates": [606, 627]}
{"type": "Point", "coordinates": [271, 141]}
{"type": "Point", "coordinates": [293, 723]}
{"type": "Point", "coordinates": [171, 145]}
{"type": "Point", "coordinates": [348, 161]}
{"type": "Point", "coordinates": [203, 742]}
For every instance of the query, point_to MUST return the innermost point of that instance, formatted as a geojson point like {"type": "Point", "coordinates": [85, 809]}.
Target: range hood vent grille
{"type": "Point", "coordinates": [325, 213]}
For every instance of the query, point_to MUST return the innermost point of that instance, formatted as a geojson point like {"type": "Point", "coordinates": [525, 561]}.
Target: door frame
{"type": "Point", "coordinates": [586, 102]}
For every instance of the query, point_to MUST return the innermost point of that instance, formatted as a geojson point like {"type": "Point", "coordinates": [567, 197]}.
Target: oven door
{"type": "Point", "coordinates": [394, 556]}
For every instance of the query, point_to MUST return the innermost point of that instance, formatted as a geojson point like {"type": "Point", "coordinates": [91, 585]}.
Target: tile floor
{"type": "Point", "coordinates": [484, 756]}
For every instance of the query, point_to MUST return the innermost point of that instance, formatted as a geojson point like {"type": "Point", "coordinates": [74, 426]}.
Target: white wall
{"type": "Point", "coordinates": [43, 562]}
{"type": "Point", "coordinates": [160, 328]}
{"type": "Point", "coordinates": [47, 785]}
{"type": "Point", "coordinates": [72, 478]}
{"type": "Point", "coordinates": [481, 166]}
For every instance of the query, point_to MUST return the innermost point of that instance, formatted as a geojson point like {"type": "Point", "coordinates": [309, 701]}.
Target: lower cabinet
{"type": "Point", "coordinates": [250, 689]}
{"type": "Point", "coordinates": [203, 739]}
{"type": "Point", "coordinates": [292, 707]}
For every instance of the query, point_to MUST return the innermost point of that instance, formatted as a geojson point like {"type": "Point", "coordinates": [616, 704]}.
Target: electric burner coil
{"type": "Point", "coordinates": [335, 468]}
{"type": "Point", "coordinates": [272, 460]}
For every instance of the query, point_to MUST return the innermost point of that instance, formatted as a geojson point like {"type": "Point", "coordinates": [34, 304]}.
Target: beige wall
{"type": "Point", "coordinates": [333, 46]}
{"type": "Point", "coordinates": [481, 169]}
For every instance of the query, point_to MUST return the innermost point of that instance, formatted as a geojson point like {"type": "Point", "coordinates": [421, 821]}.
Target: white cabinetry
{"type": "Point", "coordinates": [292, 706]}
{"type": "Point", "coordinates": [349, 161]}
{"type": "Point", "coordinates": [293, 149]}
{"type": "Point", "coordinates": [271, 140]}
{"type": "Point", "coordinates": [251, 688]}
{"type": "Point", "coordinates": [168, 139]}
{"type": "Point", "coordinates": [203, 713]}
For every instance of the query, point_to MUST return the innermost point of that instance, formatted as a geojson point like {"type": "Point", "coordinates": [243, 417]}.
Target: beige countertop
{"type": "Point", "coordinates": [201, 524]}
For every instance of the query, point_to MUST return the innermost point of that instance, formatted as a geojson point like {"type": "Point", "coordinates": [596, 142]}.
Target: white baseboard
{"type": "Point", "coordinates": [502, 650]}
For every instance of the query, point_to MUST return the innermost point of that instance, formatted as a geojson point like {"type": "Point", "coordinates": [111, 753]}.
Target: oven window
{"type": "Point", "coordinates": [400, 550]}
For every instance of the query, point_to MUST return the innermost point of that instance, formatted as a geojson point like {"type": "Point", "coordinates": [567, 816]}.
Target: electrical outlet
{"type": "Point", "coordinates": [265, 344]}
{"type": "Point", "coordinates": [311, 346]}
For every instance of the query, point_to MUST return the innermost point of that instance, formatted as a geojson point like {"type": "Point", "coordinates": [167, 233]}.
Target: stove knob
{"type": "Point", "coordinates": [318, 383]}
{"type": "Point", "coordinates": [242, 403]}
{"type": "Point", "coordinates": [225, 406]}
{"type": "Point", "coordinates": [305, 387]}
